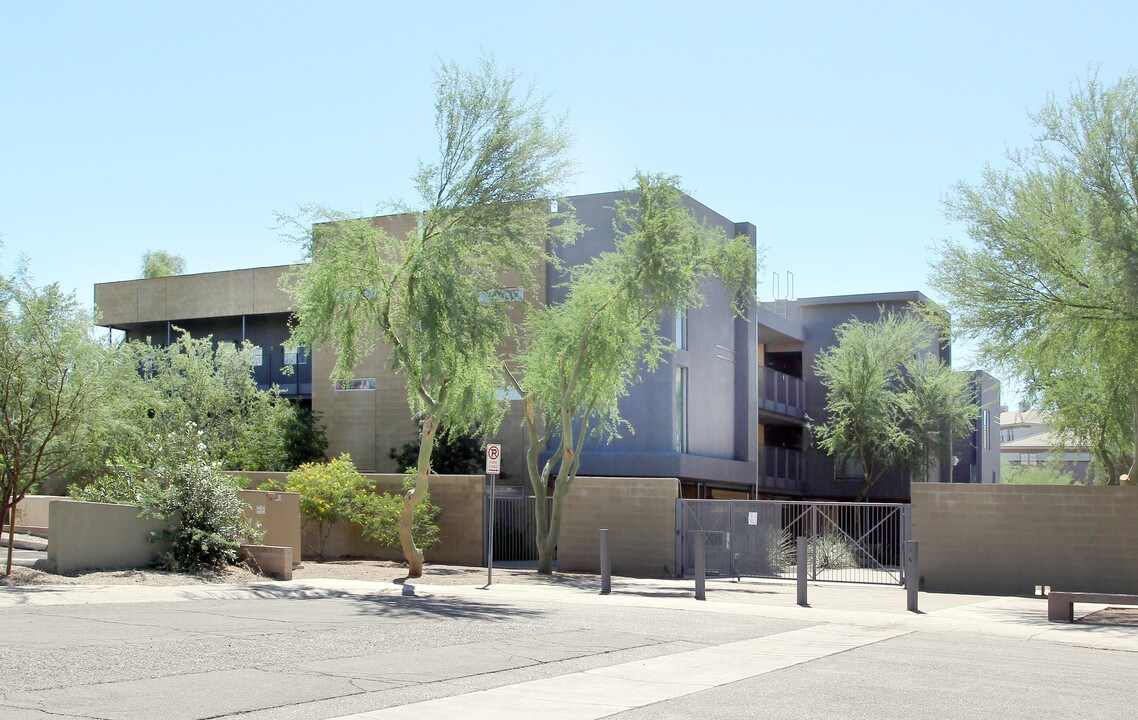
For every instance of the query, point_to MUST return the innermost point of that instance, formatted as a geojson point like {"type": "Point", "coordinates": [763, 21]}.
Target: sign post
{"type": "Point", "coordinates": [493, 467]}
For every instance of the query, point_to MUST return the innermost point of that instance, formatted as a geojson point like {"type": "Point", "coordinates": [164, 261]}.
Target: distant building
{"type": "Point", "coordinates": [1027, 441]}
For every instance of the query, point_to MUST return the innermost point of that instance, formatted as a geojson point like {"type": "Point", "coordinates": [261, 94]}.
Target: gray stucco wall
{"type": "Point", "coordinates": [978, 455]}
{"type": "Point", "coordinates": [722, 378]}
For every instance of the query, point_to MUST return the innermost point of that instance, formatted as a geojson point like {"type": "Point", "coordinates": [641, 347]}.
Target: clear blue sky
{"type": "Point", "coordinates": [836, 128]}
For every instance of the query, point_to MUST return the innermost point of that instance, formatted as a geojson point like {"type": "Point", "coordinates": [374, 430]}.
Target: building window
{"type": "Point", "coordinates": [354, 384]}
{"type": "Point", "coordinates": [296, 356]}
{"type": "Point", "coordinates": [503, 295]}
{"type": "Point", "coordinates": [257, 356]}
{"type": "Point", "coordinates": [681, 329]}
{"type": "Point", "coordinates": [987, 431]}
{"type": "Point", "coordinates": [680, 410]}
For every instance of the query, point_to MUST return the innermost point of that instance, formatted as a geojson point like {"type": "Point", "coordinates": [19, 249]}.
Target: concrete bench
{"type": "Point", "coordinates": [272, 560]}
{"type": "Point", "coordinates": [1061, 605]}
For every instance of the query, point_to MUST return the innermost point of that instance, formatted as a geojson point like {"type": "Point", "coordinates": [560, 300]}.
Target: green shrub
{"type": "Point", "coordinates": [330, 492]}
{"type": "Point", "coordinates": [180, 484]}
{"type": "Point", "coordinates": [379, 517]}
{"type": "Point", "coordinates": [335, 492]}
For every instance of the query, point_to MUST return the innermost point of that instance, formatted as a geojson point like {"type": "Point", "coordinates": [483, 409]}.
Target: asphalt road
{"type": "Point", "coordinates": [317, 653]}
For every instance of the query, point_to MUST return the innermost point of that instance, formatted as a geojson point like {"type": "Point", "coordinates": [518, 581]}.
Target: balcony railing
{"type": "Point", "coordinates": [782, 393]}
{"type": "Point", "coordinates": [782, 468]}
{"type": "Point", "coordinates": [294, 379]}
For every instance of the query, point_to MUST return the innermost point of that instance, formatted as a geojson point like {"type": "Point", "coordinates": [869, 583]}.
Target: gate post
{"type": "Point", "coordinates": [679, 537]}
{"type": "Point", "coordinates": [700, 566]}
{"type": "Point", "coordinates": [802, 571]}
{"type": "Point", "coordinates": [814, 536]}
{"type": "Point", "coordinates": [606, 563]}
{"type": "Point", "coordinates": [912, 577]}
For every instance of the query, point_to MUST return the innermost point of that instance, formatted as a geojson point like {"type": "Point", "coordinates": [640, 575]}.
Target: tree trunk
{"type": "Point", "coordinates": [1131, 478]}
{"type": "Point", "coordinates": [547, 540]}
{"type": "Point", "coordinates": [412, 497]}
{"type": "Point", "coordinates": [11, 536]}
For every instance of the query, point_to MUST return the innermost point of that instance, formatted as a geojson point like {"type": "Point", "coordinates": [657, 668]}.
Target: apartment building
{"type": "Point", "coordinates": [791, 335]}
{"type": "Point", "coordinates": [693, 417]}
{"type": "Point", "coordinates": [725, 413]}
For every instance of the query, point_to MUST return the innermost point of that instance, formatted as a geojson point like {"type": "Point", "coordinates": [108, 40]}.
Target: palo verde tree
{"type": "Point", "coordinates": [50, 383]}
{"type": "Point", "coordinates": [431, 292]}
{"type": "Point", "coordinates": [580, 357]}
{"type": "Point", "coordinates": [890, 404]}
{"type": "Point", "coordinates": [154, 391]}
{"type": "Point", "coordinates": [159, 263]}
{"type": "Point", "coordinates": [1048, 283]}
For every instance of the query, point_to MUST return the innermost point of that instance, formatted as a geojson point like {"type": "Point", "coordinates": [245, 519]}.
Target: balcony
{"type": "Point", "coordinates": [291, 374]}
{"type": "Point", "coordinates": [782, 469]}
{"type": "Point", "coordinates": [783, 394]}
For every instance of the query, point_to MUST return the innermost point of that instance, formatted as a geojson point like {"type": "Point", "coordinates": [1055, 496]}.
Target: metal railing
{"type": "Point", "coordinates": [783, 393]}
{"type": "Point", "coordinates": [847, 542]}
{"type": "Point", "coordinates": [515, 529]}
{"type": "Point", "coordinates": [782, 468]}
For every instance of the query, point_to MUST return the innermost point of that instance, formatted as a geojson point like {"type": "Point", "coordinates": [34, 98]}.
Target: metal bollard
{"type": "Point", "coordinates": [606, 563]}
{"type": "Point", "coordinates": [700, 567]}
{"type": "Point", "coordinates": [802, 571]}
{"type": "Point", "coordinates": [912, 576]}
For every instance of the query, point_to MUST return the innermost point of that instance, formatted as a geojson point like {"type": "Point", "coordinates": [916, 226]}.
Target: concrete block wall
{"type": "Point", "coordinates": [640, 514]}
{"type": "Point", "coordinates": [459, 498]}
{"type": "Point", "coordinates": [1007, 539]}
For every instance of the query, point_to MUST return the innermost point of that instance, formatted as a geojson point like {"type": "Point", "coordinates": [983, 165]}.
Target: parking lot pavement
{"type": "Point", "coordinates": [333, 649]}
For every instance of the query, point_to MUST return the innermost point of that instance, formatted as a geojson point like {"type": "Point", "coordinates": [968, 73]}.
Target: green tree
{"type": "Point", "coordinates": [335, 492]}
{"type": "Point", "coordinates": [426, 291]}
{"type": "Point", "coordinates": [305, 440]}
{"type": "Point", "coordinates": [889, 403]}
{"type": "Point", "coordinates": [582, 356]}
{"type": "Point", "coordinates": [454, 453]}
{"type": "Point", "coordinates": [50, 386]}
{"type": "Point", "coordinates": [1048, 285]}
{"type": "Point", "coordinates": [159, 263]}
{"type": "Point", "coordinates": [173, 477]}
{"type": "Point", "coordinates": [1050, 473]}
{"type": "Point", "coordinates": [157, 390]}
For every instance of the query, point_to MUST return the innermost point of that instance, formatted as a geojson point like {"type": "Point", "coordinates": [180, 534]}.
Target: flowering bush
{"type": "Point", "coordinates": [335, 492]}
{"type": "Point", "coordinates": [178, 482]}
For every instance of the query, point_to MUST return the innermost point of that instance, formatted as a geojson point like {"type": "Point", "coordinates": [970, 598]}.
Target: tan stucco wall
{"type": "Point", "coordinates": [1007, 539]}
{"type": "Point", "coordinates": [254, 291]}
{"type": "Point", "coordinates": [31, 512]}
{"type": "Point", "coordinates": [86, 535]}
{"type": "Point", "coordinates": [640, 514]}
{"type": "Point", "coordinates": [458, 497]}
{"type": "Point", "coordinates": [279, 516]}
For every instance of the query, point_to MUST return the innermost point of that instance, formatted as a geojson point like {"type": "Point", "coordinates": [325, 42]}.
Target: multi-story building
{"type": "Point", "coordinates": [693, 416]}
{"type": "Point", "coordinates": [1027, 440]}
{"type": "Point", "coordinates": [725, 413]}
{"type": "Point", "coordinates": [791, 336]}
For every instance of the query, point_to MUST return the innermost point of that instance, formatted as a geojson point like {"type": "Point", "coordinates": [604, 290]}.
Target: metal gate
{"type": "Point", "coordinates": [846, 541]}
{"type": "Point", "coordinates": [515, 530]}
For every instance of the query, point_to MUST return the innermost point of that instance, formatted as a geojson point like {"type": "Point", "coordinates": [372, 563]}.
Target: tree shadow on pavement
{"type": "Point", "coordinates": [405, 604]}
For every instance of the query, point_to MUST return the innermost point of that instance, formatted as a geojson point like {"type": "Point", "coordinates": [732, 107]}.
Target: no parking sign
{"type": "Point", "coordinates": [493, 459]}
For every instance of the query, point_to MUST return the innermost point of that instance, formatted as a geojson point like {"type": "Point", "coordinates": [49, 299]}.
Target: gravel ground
{"type": "Point", "coordinates": [370, 570]}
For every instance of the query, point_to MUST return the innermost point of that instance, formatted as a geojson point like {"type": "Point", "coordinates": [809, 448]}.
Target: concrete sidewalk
{"type": "Point", "coordinates": [556, 647]}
